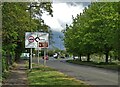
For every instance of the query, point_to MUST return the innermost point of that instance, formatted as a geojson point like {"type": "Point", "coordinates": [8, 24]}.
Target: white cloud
{"type": "Point", "coordinates": [52, 22]}
{"type": "Point", "coordinates": [62, 15]}
{"type": "Point", "coordinates": [62, 12]}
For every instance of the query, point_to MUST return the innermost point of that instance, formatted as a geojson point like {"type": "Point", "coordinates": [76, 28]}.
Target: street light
{"type": "Point", "coordinates": [29, 8]}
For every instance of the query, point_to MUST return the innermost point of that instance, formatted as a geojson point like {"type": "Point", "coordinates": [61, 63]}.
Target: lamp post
{"type": "Point", "coordinates": [30, 59]}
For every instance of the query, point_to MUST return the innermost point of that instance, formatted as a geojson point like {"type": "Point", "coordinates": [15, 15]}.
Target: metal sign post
{"type": "Point", "coordinates": [38, 50]}
{"type": "Point", "coordinates": [31, 58]}
{"type": "Point", "coordinates": [38, 56]}
{"type": "Point", "coordinates": [45, 45]}
{"type": "Point", "coordinates": [38, 53]}
{"type": "Point", "coordinates": [44, 57]}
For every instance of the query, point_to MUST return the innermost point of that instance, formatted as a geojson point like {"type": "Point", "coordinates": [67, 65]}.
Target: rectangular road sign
{"type": "Point", "coordinates": [43, 44]}
{"type": "Point", "coordinates": [33, 39]}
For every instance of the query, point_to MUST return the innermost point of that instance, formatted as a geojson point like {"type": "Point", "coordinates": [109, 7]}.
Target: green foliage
{"type": "Point", "coordinates": [4, 65]}
{"type": "Point", "coordinates": [94, 31]}
{"type": "Point", "coordinates": [15, 22]}
{"type": "Point", "coordinates": [51, 53]}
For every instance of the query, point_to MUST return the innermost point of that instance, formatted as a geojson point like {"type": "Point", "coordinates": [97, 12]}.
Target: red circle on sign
{"type": "Point", "coordinates": [31, 39]}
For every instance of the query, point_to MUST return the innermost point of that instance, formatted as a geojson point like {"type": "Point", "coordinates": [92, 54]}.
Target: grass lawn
{"type": "Point", "coordinates": [112, 66]}
{"type": "Point", "coordinates": [43, 75]}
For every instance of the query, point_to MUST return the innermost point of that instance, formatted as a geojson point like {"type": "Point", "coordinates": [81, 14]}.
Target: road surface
{"type": "Point", "coordinates": [91, 75]}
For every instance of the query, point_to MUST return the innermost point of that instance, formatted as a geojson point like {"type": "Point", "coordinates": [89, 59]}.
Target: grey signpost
{"type": "Point", "coordinates": [45, 54]}
{"type": "Point", "coordinates": [37, 39]}
{"type": "Point", "coordinates": [44, 57]}
{"type": "Point", "coordinates": [38, 51]}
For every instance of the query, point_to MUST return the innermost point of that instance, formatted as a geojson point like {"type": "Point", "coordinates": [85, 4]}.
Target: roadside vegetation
{"type": "Point", "coordinates": [16, 20]}
{"type": "Point", "coordinates": [110, 66]}
{"type": "Point", "coordinates": [97, 61]}
{"type": "Point", "coordinates": [95, 31]}
{"type": "Point", "coordinates": [43, 75]}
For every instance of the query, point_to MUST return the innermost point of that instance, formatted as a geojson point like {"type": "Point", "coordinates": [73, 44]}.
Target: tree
{"type": "Point", "coordinates": [15, 22]}
{"type": "Point", "coordinates": [95, 30]}
{"type": "Point", "coordinates": [105, 16]}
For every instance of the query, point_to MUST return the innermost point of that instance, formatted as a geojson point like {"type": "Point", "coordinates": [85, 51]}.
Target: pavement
{"type": "Point", "coordinates": [17, 77]}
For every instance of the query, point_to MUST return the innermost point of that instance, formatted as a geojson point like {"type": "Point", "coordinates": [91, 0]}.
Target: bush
{"type": "Point", "coordinates": [4, 65]}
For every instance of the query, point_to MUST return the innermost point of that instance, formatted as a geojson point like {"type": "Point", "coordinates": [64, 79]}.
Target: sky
{"type": "Point", "coordinates": [62, 15]}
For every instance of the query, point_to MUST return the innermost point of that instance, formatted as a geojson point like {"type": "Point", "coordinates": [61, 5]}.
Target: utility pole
{"type": "Point", "coordinates": [30, 58]}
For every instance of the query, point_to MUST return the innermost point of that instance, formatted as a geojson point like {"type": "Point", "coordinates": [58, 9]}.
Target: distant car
{"type": "Point", "coordinates": [45, 57]}
{"type": "Point", "coordinates": [75, 57]}
{"type": "Point", "coordinates": [25, 56]}
{"type": "Point", "coordinates": [55, 55]}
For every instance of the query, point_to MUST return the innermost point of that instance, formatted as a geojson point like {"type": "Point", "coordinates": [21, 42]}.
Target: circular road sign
{"type": "Point", "coordinates": [31, 39]}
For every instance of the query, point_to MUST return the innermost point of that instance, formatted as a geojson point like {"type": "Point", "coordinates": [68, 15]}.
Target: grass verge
{"type": "Point", "coordinates": [46, 76]}
{"type": "Point", "coordinates": [111, 66]}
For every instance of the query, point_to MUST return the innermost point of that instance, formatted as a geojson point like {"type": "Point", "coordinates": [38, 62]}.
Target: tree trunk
{"type": "Point", "coordinates": [18, 51]}
{"type": "Point", "coordinates": [88, 57]}
{"type": "Point", "coordinates": [80, 58]}
{"type": "Point", "coordinates": [7, 61]}
{"type": "Point", "coordinates": [107, 49]}
{"type": "Point", "coordinates": [8, 58]}
{"type": "Point", "coordinates": [73, 57]}
{"type": "Point", "coordinates": [106, 59]}
{"type": "Point", "coordinates": [119, 55]}
{"type": "Point", "coordinates": [17, 57]}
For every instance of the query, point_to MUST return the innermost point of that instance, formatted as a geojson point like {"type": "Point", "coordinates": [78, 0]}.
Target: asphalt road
{"type": "Point", "coordinates": [91, 75]}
